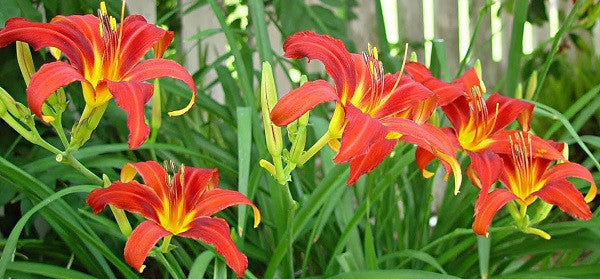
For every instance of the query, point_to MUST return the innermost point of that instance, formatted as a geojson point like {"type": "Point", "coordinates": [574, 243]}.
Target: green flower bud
{"type": "Point", "coordinates": [268, 96]}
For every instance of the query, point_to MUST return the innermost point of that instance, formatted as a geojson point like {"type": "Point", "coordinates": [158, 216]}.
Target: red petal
{"type": "Point", "coordinates": [486, 206]}
{"type": "Point", "coordinates": [131, 97]}
{"type": "Point", "coordinates": [338, 62]}
{"type": "Point", "coordinates": [216, 200]}
{"type": "Point", "coordinates": [78, 37]}
{"type": "Point", "coordinates": [215, 231]}
{"type": "Point", "coordinates": [367, 162]}
{"type": "Point", "coordinates": [155, 68]}
{"type": "Point", "coordinates": [359, 134]}
{"type": "Point", "coordinates": [141, 241]}
{"type": "Point", "coordinates": [458, 113]}
{"type": "Point", "coordinates": [152, 174]}
{"type": "Point", "coordinates": [406, 95]}
{"type": "Point", "coordinates": [546, 149]}
{"type": "Point", "coordinates": [138, 37]}
{"type": "Point", "coordinates": [431, 139]}
{"type": "Point", "coordinates": [509, 110]}
{"type": "Point", "coordinates": [469, 80]}
{"type": "Point", "coordinates": [197, 181]}
{"type": "Point", "coordinates": [132, 196]}
{"type": "Point", "coordinates": [561, 171]}
{"type": "Point", "coordinates": [447, 92]}
{"type": "Point", "coordinates": [564, 195]}
{"type": "Point", "coordinates": [161, 46]}
{"type": "Point", "coordinates": [300, 100]}
{"type": "Point", "coordinates": [48, 79]}
{"type": "Point", "coordinates": [484, 169]}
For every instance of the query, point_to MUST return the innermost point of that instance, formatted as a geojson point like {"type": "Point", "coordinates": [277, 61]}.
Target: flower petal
{"type": "Point", "coordinates": [155, 68]}
{"type": "Point", "coordinates": [161, 46]}
{"type": "Point", "coordinates": [499, 143]}
{"type": "Point", "coordinates": [131, 196]}
{"type": "Point", "coordinates": [197, 181]}
{"type": "Point", "coordinates": [406, 94]}
{"type": "Point", "coordinates": [215, 231]}
{"type": "Point", "coordinates": [152, 174]}
{"type": "Point", "coordinates": [138, 37]}
{"type": "Point", "coordinates": [131, 97]}
{"type": "Point", "coordinates": [561, 171]}
{"type": "Point", "coordinates": [447, 92]}
{"type": "Point", "coordinates": [431, 139]}
{"type": "Point", "coordinates": [564, 195]}
{"type": "Point", "coordinates": [216, 200]}
{"type": "Point", "coordinates": [508, 110]}
{"type": "Point", "coordinates": [359, 134]}
{"type": "Point", "coordinates": [338, 62]}
{"type": "Point", "coordinates": [300, 100]}
{"type": "Point", "coordinates": [486, 206]}
{"type": "Point", "coordinates": [140, 242]}
{"type": "Point", "coordinates": [48, 79]}
{"type": "Point", "coordinates": [368, 161]}
{"type": "Point", "coordinates": [484, 169]}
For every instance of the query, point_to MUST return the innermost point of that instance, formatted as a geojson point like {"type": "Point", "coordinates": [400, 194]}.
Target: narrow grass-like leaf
{"type": "Point", "coordinates": [515, 52]}
{"type": "Point", "coordinates": [399, 273]}
{"type": "Point", "coordinates": [256, 9]}
{"type": "Point", "coordinates": [200, 265]}
{"type": "Point", "coordinates": [244, 120]}
{"type": "Point", "coordinates": [47, 270]}
{"type": "Point", "coordinates": [413, 254]}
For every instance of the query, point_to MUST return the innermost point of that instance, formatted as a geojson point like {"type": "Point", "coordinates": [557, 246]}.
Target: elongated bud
{"type": "Point", "coordinates": [25, 61]}
{"type": "Point", "coordinates": [531, 85]}
{"type": "Point", "coordinates": [413, 57]}
{"type": "Point", "coordinates": [268, 97]}
{"type": "Point", "coordinates": [477, 67]}
{"type": "Point", "coordinates": [156, 112]}
{"type": "Point", "coordinates": [9, 103]}
{"type": "Point", "coordinates": [519, 91]}
{"type": "Point", "coordinates": [542, 212]}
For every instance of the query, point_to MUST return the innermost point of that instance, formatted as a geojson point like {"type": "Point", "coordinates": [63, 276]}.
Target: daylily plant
{"type": "Point", "coordinates": [181, 206]}
{"type": "Point", "coordinates": [105, 58]}
{"type": "Point", "coordinates": [527, 178]}
{"type": "Point", "coordinates": [373, 110]}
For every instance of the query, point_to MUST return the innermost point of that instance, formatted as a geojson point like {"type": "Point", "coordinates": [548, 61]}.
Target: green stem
{"type": "Point", "coordinates": [57, 124]}
{"type": "Point", "coordinates": [515, 52]}
{"type": "Point", "coordinates": [161, 258]}
{"type": "Point", "coordinates": [314, 149]}
{"type": "Point", "coordinates": [482, 12]}
{"type": "Point", "coordinates": [69, 159]}
{"type": "Point", "coordinates": [164, 247]}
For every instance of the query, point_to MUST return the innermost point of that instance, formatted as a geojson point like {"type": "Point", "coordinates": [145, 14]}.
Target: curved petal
{"type": "Point", "coordinates": [406, 94]}
{"type": "Point", "coordinates": [215, 231]}
{"type": "Point", "coordinates": [338, 62]}
{"type": "Point", "coordinates": [422, 158]}
{"type": "Point", "coordinates": [155, 68]}
{"type": "Point", "coordinates": [359, 134]}
{"type": "Point", "coordinates": [49, 78]}
{"type": "Point", "coordinates": [564, 195]}
{"type": "Point", "coordinates": [484, 169]}
{"type": "Point", "coordinates": [300, 100]}
{"type": "Point", "coordinates": [486, 206]}
{"type": "Point", "coordinates": [140, 242]}
{"type": "Point", "coordinates": [469, 80]}
{"type": "Point", "coordinates": [368, 161]}
{"type": "Point", "coordinates": [216, 200]}
{"type": "Point", "coordinates": [161, 46]}
{"type": "Point", "coordinates": [458, 113]}
{"type": "Point", "coordinates": [131, 97]}
{"type": "Point", "coordinates": [137, 38]}
{"type": "Point", "coordinates": [499, 143]}
{"type": "Point", "coordinates": [508, 110]}
{"type": "Point", "coordinates": [151, 172]}
{"type": "Point", "coordinates": [447, 92]}
{"type": "Point", "coordinates": [431, 139]}
{"type": "Point", "coordinates": [197, 181]}
{"type": "Point", "coordinates": [75, 42]}
{"type": "Point", "coordinates": [132, 196]}
{"type": "Point", "coordinates": [561, 171]}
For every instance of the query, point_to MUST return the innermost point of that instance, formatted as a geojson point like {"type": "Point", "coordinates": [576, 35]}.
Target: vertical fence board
{"type": "Point", "coordinates": [410, 25]}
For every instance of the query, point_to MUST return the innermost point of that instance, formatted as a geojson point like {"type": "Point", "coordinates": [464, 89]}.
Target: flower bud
{"type": "Point", "coordinates": [268, 96]}
{"type": "Point", "coordinates": [25, 61]}
{"type": "Point", "coordinates": [531, 85]}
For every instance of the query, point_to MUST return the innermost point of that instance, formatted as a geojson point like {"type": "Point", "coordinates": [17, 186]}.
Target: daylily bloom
{"type": "Point", "coordinates": [104, 57]}
{"type": "Point", "coordinates": [373, 110]}
{"type": "Point", "coordinates": [527, 178]}
{"type": "Point", "coordinates": [181, 206]}
{"type": "Point", "coordinates": [478, 124]}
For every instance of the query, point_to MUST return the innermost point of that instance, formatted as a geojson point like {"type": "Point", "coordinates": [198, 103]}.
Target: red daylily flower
{"type": "Point", "coordinates": [105, 58]}
{"type": "Point", "coordinates": [373, 110]}
{"type": "Point", "coordinates": [478, 124]}
{"type": "Point", "coordinates": [180, 206]}
{"type": "Point", "coordinates": [527, 178]}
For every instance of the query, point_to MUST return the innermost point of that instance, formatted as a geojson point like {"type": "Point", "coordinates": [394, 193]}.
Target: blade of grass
{"type": "Point", "coordinates": [47, 270]}
{"type": "Point", "coordinates": [256, 9]}
{"type": "Point", "coordinates": [515, 52]}
{"type": "Point", "coordinates": [244, 121]}
{"type": "Point", "coordinates": [399, 273]}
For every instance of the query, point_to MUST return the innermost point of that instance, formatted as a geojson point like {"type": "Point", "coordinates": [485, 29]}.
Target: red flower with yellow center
{"type": "Point", "coordinates": [180, 206]}
{"type": "Point", "coordinates": [104, 57]}
{"type": "Point", "coordinates": [478, 124]}
{"type": "Point", "coordinates": [373, 110]}
{"type": "Point", "coordinates": [527, 178]}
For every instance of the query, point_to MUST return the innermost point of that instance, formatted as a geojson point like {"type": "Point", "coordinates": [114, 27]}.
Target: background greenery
{"type": "Point", "coordinates": [392, 223]}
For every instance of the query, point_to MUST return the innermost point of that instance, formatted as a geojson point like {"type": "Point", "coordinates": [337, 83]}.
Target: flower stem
{"type": "Point", "coordinates": [164, 247]}
{"type": "Point", "coordinates": [315, 148]}
{"type": "Point", "coordinates": [68, 158]}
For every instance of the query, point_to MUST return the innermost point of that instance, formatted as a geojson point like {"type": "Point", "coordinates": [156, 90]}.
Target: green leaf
{"type": "Point", "coordinates": [398, 273]}
{"type": "Point", "coordinates": [201, 264]}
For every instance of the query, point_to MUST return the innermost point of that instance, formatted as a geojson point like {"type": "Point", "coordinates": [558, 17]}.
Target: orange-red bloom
{"type": "Point", "coordinates": [373, 110]}
{"type": "Point", "coordinates": [478, 124]}
{"type": "Point", "coordinates": [527, 178]}
{"type": "Point", "coordinates": [104, 57]}
{"type": "Point", "coordinates": [180, 206]}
